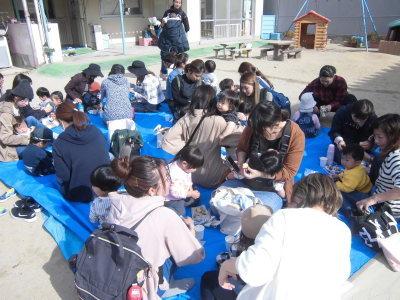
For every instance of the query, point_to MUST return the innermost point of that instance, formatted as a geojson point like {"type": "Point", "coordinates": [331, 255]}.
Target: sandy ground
{"type": "Point", "coordinates": [31, 264]}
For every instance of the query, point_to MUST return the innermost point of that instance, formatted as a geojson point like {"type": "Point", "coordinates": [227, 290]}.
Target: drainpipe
{"type": "Point", "coordinates": [39, 19]}
{"type": "Point", "coordinates": [121, 14]}
{"type": "Point", "coordinates": [30, 31]}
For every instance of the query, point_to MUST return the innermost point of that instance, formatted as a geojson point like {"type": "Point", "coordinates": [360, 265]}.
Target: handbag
{"type": "Point", "coordinates": [391, 249]}
{"type": "Point", "coordinates": [374, 226]}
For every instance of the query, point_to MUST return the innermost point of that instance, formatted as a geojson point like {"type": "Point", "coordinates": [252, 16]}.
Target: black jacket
{"type": "Point", "coordinates": [344, 126]}
{"type": "Point", "coordinates": [181, 13]}
{"type": "Point", "coordinates": [76, 155]}
{"type": "Point", "coordinates": [37, 161]}
{"type": "Point", "coordinates": [173, 38]}
{"type": "Point", "coordinates": [183, 89]}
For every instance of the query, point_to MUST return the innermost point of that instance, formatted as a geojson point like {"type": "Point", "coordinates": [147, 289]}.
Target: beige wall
{"type": "Point", "coordinates": [6, 6]}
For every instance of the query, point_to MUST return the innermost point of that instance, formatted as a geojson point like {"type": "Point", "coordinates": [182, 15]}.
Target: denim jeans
{"type": "Point", "coordinates": [32, 121]}
{"type": "Point", "coordinates": [268, 198]}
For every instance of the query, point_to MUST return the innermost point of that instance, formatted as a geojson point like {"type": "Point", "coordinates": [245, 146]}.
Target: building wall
{"type": "Point", "coordinates": [346, 15]}
{"type": "Point", "coordinates": [6, 6]}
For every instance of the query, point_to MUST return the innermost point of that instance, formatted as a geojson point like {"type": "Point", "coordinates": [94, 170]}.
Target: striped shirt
{"type": "Point", "coordinates": [389, 178]}
{"type": "Point", "coordinates": [99, 209]}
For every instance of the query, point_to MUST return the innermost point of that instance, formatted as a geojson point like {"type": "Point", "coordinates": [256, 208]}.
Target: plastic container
{"type": "Point", "coordinates": [330, 154]}
{"type": "Point", "coordinates": [199, 230]}
{"type": "Point", "coordinates": [322, 161]}
{"type": "Point", "coordinates": [145, 41]}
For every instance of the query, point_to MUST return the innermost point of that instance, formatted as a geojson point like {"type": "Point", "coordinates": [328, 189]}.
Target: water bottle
{"type": "Point", "coordinates": [330, 154]}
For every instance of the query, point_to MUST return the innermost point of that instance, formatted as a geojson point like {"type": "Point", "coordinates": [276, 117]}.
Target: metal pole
{"type": "Point", "coordinates": [121, 14]}
{"type": "Point", "coordinates": [45, 29]}
{"type": "Point", "coordinates": [30, 31]}
{"type": "Point", "coordinates": [370, 16]}
{"type": "Point", "coordinates": [365, 25]}
{"type": "Point", "coordinates": [41, 29]}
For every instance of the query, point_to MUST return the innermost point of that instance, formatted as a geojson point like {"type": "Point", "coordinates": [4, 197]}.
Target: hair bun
{"type": "Point", "coordinates": [121, 167]}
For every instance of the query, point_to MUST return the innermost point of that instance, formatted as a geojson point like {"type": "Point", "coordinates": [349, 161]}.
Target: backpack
{"type": "Point", "coordinates": [110, 263]}
{"type": "Point", "coordinates": [126, 143]}
{"type": "Point", "coordinates": [377, 225]}
{"type": "Point", "coordinates": [279, 99]}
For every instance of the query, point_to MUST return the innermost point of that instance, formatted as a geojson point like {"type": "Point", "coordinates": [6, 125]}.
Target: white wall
{"type": "Point", "coordinates": [258, 7]}
{"type": "Point", "coordinates": [192, 9]}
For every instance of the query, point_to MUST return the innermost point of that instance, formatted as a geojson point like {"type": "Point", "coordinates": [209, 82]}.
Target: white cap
{"type": "Point", "coordinates": [307, 102]}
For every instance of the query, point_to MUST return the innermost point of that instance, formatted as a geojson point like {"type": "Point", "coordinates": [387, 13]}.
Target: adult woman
{"type": "Point", "coordinates": [329, 90]}
{"type": "Point", "coordinates": [212, 132]}
{"type": "Point", "coordinates": [147, 184]}
{"type": "Point", "coordinates": [261, 78]}
{"type": "Point", "coordinates": [183, 87]}
{"type": "Point", "coordinates": [251, 91]}
{"type": "Point", "coordinates": [387, 137]}
{"type": "Point", "coordinates": [79, 83]}
{"type": "Point", "coordinates": [173, 36]}
{"type": "Point", "coordinates": [11, 144]}
{"type": "Point", "coordinates": [77, 151]}
{"type": "Point", "coordinates": [270, 130]}
{"type": "Point", "coordinates": [301, 253]}
{"type": "Point", "coordinates": [115, 92]}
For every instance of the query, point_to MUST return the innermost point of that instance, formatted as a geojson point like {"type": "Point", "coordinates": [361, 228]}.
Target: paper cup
{"type": "Point", "coordinates": [322, 161]}
{"type": "Point", "coordinates": [229, 240]}
{"type": "Point", "coordinates": [199, 230]}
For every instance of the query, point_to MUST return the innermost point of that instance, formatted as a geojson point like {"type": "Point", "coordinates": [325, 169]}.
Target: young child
{"type": "Point", "coordinates": [181, 192]}
{"type": "Point", "coordinates": [209, 77]}
{"type": "Point", "coordinates": [307, 120]}
{"type": "Point", "coordinates": [180, 64]}
{"type": "Point", "coordinates": [91, 99]}
{"type": "Point", "coordinates": [353, 182]}
{"type": "Point", "coordinates": [20, 126]}
{"type": "Point", "coordinates": [103, 181]}
{"type": "Point", "coordinates": [37, 161]}
{"type": "Point", "coordinates": [270, 162]}
{"type": "Point", "coordinates": [44, 103]}
{"type": "Point", "coordinates": [57, 98]}
{"type": "Point", "coordinates": [227, 84]}
{"type": "Point", "coordinates": [168, 62]}
{"type": "Point", "coordinates": [227, 105]}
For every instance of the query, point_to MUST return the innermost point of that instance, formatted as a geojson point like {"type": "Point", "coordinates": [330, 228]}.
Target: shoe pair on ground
{"type": "Point", "coordinates": [24, 209]}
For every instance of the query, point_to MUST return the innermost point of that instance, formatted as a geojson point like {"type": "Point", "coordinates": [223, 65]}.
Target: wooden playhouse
{"type": "Point", "coordinates": [311, 31]}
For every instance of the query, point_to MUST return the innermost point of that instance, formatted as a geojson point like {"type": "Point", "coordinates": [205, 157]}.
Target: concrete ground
{"type": "Point", "coordinates": [32, 266]}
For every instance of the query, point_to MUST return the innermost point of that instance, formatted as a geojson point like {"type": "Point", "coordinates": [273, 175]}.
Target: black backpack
{"type": "Point", "coordinates": [370, 227]}
{"type": "Point", "coordinates": [126, 143]}
{"type": "Point", "coordinates": [110, 263]}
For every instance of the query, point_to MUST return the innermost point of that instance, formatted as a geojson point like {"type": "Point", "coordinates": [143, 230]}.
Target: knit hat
{"type": "Point", "coordinates": [138, 68]}
{"type": "Point", "coordinates": [93, 70]}
{"type": "Point", "coordinates": [42, 134]}
{"type": "Point", "coordinates": [307, 102]}
{"type": "Point", "coordinates": [23, 90]}
{"type": "Point", "coordinates": [254, 218]}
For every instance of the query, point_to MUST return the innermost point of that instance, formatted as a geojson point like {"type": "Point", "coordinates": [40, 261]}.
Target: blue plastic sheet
{"type": "Point", "coordinates": [69, 225]}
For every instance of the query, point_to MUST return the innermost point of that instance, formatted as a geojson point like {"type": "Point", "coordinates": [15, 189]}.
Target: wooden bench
{"type": "Point", "coordinates": [216, 50]}
{"type": "Point", "coordinates": [264, 52]}
{"type": "Point", "coordinates": [293, 53]}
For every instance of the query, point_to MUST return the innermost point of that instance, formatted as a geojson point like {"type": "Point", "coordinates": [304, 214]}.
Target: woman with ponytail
{"type": "Point", "coordinates": [162, 233]}
{"type": "Point", "coordinates": [77, 151]}
{"type": "Point", "coordinates": [261, 78]}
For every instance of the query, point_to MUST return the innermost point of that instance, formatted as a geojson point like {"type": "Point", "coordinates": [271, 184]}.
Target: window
{"type": "Point", "coordinates": [109, 8]}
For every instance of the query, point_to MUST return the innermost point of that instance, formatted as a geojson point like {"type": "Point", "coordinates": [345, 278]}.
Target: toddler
{"type": "Point", "coordinates": [209, 77]}
{"type": "Point", "coordinates": [44, 103]}
{"type": "Point", "coordinates": [20, 126]}
{"type": "Point", "coordinates": [103, 181]}
{"type": "Point", "coordinates": [270, 163]}
{"type": "Point", "coordinates": [307, 120]}
{"type": "Point", "coordinates": [181, 192]}
{"type": "Point", "coordinates": [180, 64]}
{"type": "Point", "coordinates": [57, 98]}
{"type": "Point", "coordinates": [91, 99]}
{"type": "Point", "coordinates": [227, 84]}
{"type": "Point", "coordinates": [38, 161]}
{"type": "Point", "coordinates": [227, 105]}
{"type": "Point", "coordinates": [353, 182]}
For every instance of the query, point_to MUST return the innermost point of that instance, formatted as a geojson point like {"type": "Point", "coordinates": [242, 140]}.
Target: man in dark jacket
{"type": "Point", "coordinates": [352, 124]}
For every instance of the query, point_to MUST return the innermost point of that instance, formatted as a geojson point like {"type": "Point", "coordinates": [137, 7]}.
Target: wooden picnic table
{"type": "Point", "coordinates": [278, 46]}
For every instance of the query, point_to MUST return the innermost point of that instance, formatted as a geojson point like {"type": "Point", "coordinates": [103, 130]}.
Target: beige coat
{"type": "Point", "coordinates": [213, 133]}
{"type": "Point", "coordinates": [8, 140]}
{"type": "Point", "coordinates": [162, 234]}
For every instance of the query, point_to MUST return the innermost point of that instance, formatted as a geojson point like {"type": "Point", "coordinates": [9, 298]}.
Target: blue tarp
{"type": "Point", "coordinates": [69, 225]}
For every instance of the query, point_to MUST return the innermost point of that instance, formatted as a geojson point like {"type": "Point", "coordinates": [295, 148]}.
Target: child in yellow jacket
{"type": "Point", "coordinates": [353, 182]}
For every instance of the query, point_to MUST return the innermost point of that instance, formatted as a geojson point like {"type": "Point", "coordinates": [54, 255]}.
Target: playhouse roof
{"type": "Point", "coordinates": [315, 14]}
{"type": "Point", "coordinates": [394, 24]}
